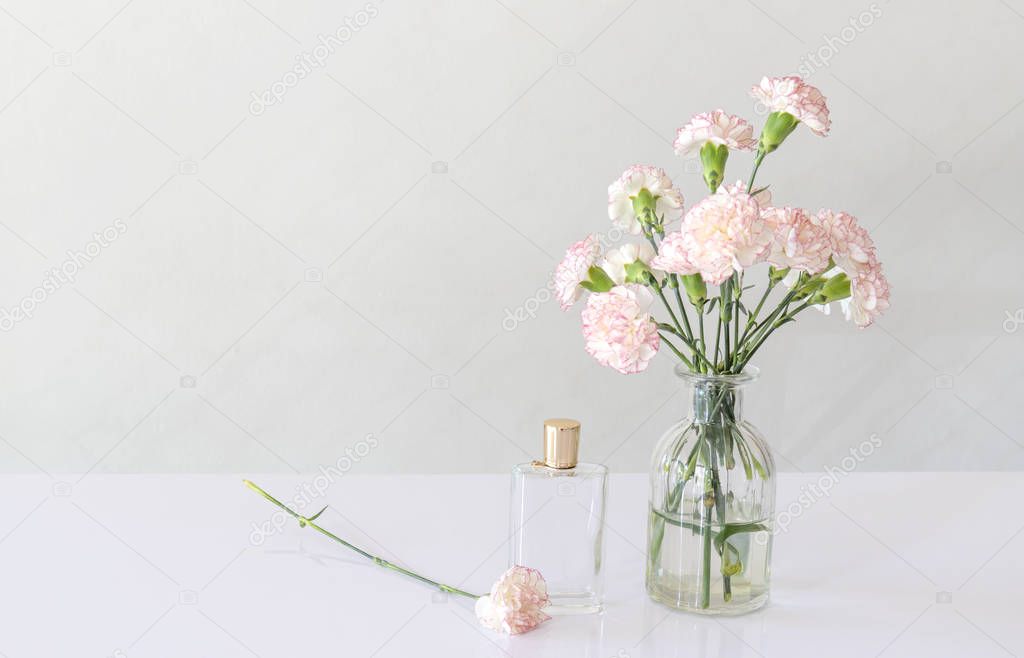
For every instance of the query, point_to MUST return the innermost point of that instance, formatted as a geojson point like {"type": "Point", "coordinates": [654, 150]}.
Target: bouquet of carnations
{"type": "Point", "coordinates": [817, 258]}
{"type": "Point", "coordinates": [683, 284]}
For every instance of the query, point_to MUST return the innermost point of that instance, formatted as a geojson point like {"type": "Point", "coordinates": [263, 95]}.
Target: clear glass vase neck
{"type": "Point", "coordinates": [715, 399]}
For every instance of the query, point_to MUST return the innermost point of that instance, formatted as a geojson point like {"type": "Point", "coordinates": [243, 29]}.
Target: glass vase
{"type": "Point", "coordinates": [712, 503]}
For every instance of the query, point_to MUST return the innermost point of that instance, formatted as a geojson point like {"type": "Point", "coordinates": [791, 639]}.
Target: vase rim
{"type": "Point", "coordinates": [749, 374]}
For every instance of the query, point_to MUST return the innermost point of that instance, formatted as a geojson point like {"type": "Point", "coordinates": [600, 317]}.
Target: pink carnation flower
{"type": "Point", "coordinates": [516, 602]}
{"type": "Point", "coordinates": [618, 330]}
{"type": "Point", "coordinates": [722, 234]}
{"type": "Point", "coordinates": [762, 196]}
{"type": "Point", "coordinates": [616, 260]}
{"type": "Point", "coordinates": [673, 255]}
{"type": "Point", "coordinates": [852, 247]}
{"type": "Point", "coordinates": [573, 269]}
{"type": "Point", "coordinates": [792, 95]}
{"type": "Point", "coordinates": [716, 127]}
{"type": "Point", "coordinates": [854, 253]}
{"type": "Point", "coordinates": [669, 202]}
{"type": "Point", "coordinates": [800, 241]}
{"type": "Point", "coordinates": [869, 294]}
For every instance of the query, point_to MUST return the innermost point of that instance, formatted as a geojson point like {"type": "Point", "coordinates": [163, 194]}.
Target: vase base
{"type": "Point", "coordinates": [688, 601]}
{"type": "Point", "coordinates": [573, 603]}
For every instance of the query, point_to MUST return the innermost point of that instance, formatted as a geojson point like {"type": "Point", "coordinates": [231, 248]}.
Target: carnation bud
{"type": "Point", "coordinates": [836, 288]}
{"type": "Point", "coordinates": [695, 288]}
{"type": "Point", "coordinates": [597, 280]}
{"type": "Point", "coordinates": [776, 129]}
{"type": "Point", "coordinates": [644, 201]}
{"type": "Point", "coordinates": [775, 275]}
{"type": "Point", "coordinates": [636, 272]}
{"type": "Point", "coordinates": [713, 158]}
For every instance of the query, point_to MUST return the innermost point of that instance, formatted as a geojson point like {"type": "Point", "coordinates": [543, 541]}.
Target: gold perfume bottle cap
{"type": "Point", "coordinates": [561, 442]}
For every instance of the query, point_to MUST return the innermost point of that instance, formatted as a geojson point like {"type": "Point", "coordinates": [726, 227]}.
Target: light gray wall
{"type": "Point", "coordinates": [327, 280]}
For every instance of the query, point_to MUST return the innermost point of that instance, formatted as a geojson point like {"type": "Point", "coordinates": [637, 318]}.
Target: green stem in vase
{"type": "Point", "coordinates": [717, 437]}
{"type": "Point", "coordinates": [720, 512]}
{"type": "Point", "coordinates": [706, 531]}
{"type": "Point", "coordinates": [379, 561]}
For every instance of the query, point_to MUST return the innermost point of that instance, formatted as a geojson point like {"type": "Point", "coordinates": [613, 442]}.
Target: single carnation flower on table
{"type": "Point", "coordinates": [722, 234]}
{"type": "Point", "coordinates": [800, 241]}
{"type": "Point", "coordinates": [716, 127]}
{"type": "Point", "coordinates": [516, 602]}
{"type": "Point", "coordinates": [573, 269]}
{"type": "Point", "coordinates": [618, 329]}
{"type": "Point", "coordinates": [790, 94]}
{"type": "Point", "coordinates": [668, 201]}
{"type": "Point", "coordinates": [617, 261]}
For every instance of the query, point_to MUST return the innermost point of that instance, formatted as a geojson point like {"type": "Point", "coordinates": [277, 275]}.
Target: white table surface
{"type": "Point", "coordinates": [132, 566]}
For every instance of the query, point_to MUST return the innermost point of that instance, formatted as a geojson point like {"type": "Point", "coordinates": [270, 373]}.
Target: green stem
{"type": "Point", "coordinates": [685, 316]}
{"type": "Point", "coordinates": [724, 306]}
{"type": "Point", "coordinates": [664, 326]}
{"type": "Point", "coordinates": [379, 561]}
{"type": "Point", "coordinates": [730, 529]}
{"type": "Point", "coordinates": [737, 294]}
{"type": "Point", "coordinates": [789, 316]}
{"type": "Point", "coordinates": [682, 307]}
{"type": "Point", "coordinates": [720, 512]}
{"type": "Point", "coordinates": [759, 329]}
{"type": "Point", "coordinates": [752, 319]}
{"type": "Point", "coordinates": [686, 335]}
{"type": "Point", "coordinates": [718, 337]}
{"type": "Point", "coordinates": [675, 349]}
{"type": "Point", "coordinates": [668, 307]}
{"type": "Point", "coordinates": [706, 535]}
{"type": "Point", "coordinates": [757, 164]}
{"type": "Point", "coordinates": [703, 342]}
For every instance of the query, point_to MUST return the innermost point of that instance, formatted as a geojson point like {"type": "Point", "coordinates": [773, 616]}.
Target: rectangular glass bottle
{"type": "Point", "coordinates": [557, 520]}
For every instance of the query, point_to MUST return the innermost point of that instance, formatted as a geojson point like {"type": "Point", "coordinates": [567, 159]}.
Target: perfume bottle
{"type": "Point", "coordinates": [557, 520]}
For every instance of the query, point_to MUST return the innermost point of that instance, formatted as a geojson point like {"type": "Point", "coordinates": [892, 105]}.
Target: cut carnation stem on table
{"type": "Point", "coordinates": [514, 605]}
